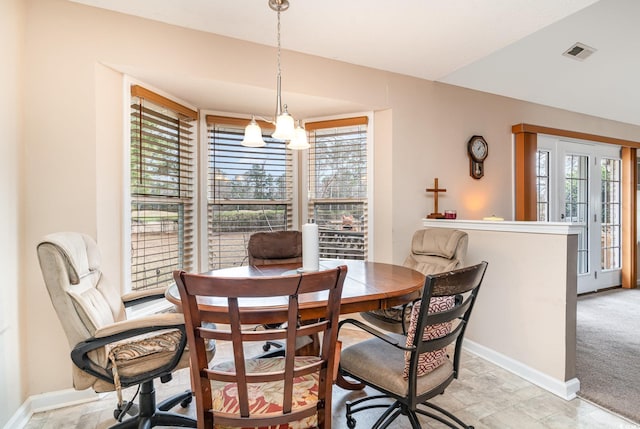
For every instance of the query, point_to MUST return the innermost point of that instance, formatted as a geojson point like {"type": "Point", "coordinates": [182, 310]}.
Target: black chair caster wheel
{"type": "Point", "coordinates": [186, 401]}
{"type": "Point", "coordinates": [126, 408]}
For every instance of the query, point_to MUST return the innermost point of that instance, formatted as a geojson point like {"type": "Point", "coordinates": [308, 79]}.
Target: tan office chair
{"type": "Point", "coordinates": [263, 392]}
{"type": "Point", "coordinates": [110, 352]}
{"type": "Point", "coordinates": [413, 369]}
{"type": "Point", "coordinates": [433, 250]}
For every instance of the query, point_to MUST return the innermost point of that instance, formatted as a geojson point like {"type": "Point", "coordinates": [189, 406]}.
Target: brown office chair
{"type": "Point", "coordinates": [411, 370]}
{"type": "Point", "coordinates": [279, 247]}
{"type": "Point", "coordinates": [275, 247]}
{"type": "Point", "coordinates": [433, 250]}
{"type": "Point", "coordinates": [109, 351]}
{"type": "Point", "coordinates": [259, 392]}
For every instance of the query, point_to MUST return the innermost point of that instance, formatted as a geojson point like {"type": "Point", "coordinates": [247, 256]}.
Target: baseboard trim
{"type": "Point", "coordinates": [566, 390]}
{"type": "Point", "coordinates": [48, 401]}
{"type": "Point", "coordinates": [63, 398]}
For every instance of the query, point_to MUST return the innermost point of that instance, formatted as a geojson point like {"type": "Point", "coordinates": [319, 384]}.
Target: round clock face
{"type": "Point", "coordinates": [478, 148]}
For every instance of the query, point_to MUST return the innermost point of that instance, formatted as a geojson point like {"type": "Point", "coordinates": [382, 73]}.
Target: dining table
{"type": "Point", "coordinates": [367, 286]}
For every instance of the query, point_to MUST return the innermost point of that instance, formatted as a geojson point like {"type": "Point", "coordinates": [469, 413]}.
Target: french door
{"type": "Point", "coordinates": [583, 187]}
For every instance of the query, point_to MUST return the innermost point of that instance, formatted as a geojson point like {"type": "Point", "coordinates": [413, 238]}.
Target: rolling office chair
{"type": "Point", "coordinates": [279, 247]}
{"type": "Point", "coordinates": [433, 250]}
{"type": "Point", "coordinates": [275, 247]}
{"type": "Point", "coordinates": [109, 351]}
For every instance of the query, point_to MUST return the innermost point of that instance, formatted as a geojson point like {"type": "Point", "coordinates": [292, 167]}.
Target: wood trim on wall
{"type": "Point", "coordinates": [142, 92]}
{"type": "Point", "coordinates": [333, 123]}
{"type": "Point", "coordinates": [629, 226]}
{"type": "Point", "coordinates": [526, 146]}
{"type": "Point", "coordinates": [537, 129]}
{"type": "Point", "coordinates": [241, 122]}
{"type": "Point", "coordinates": [525, 153]}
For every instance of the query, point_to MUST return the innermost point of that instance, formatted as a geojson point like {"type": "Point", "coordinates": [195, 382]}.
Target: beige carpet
{"type": "Point", "coordinates": [608, 350]}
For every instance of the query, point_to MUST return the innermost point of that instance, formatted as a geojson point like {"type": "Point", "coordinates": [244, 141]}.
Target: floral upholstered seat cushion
{"type": "Point", "coordinates": [429, 361]}
{"type": "Point", "coordinates": [266, 398]}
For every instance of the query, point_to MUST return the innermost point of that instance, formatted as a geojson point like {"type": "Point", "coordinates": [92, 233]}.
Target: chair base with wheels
{"type": "Point", "coordinates": [151, 415]}
{"type": "Point", "coordinates": [398, 408]}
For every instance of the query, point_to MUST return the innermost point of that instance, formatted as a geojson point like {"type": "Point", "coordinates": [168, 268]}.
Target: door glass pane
{"type": "Point", "coordinates": [577, 203]}
{"type": "Point", "coordinates": [542, 184]}
{"type": "Point", "coordinates": [610, 227]}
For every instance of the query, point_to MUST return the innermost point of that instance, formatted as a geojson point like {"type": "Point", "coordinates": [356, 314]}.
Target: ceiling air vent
{"type": "Point", "coordinates": [579, 51]}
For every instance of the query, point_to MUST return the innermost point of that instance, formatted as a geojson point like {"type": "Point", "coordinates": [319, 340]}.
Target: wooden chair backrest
{"type": "Point", "coordinates": [328, 283]}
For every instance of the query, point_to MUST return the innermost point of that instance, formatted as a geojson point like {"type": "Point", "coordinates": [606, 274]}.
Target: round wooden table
{"type": "Point", "coordinates": [368, 286]}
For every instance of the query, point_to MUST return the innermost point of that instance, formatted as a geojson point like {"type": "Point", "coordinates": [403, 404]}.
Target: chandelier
{"type": "Point", "coordinates": [296, 136]}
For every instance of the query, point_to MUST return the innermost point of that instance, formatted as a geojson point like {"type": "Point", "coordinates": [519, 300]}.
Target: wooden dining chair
{"type": "Point", "coordinates": [262, 391]}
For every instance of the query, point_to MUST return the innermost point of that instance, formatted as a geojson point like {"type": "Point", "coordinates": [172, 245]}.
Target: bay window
{"type": "Point", "coordinates": [241, 190]}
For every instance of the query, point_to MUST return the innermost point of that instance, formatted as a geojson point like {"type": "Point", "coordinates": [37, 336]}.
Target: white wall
{"type": "Point", "coordinates": [73, 173]}
{"type": "Point", "coordinates": [12, 13]}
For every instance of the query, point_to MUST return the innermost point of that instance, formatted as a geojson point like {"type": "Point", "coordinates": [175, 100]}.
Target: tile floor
{"type": "Point", "coordinates": [485, 396]}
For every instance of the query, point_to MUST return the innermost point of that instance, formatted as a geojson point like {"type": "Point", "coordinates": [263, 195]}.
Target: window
{"type": "Point", "coordinates": [249, 189]}
{"type": "Point", "coordinates": [162, 189]}
{"type": "Point", "coordinates": [337, 180]}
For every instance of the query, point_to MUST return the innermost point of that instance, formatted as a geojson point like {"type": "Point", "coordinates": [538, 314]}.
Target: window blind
{"type": "Point", "coordinates": [337, 172]}
{"type": "Point", "coordinates": [162, 189]}
{"type": "Point", "coordinates": [248, 190]}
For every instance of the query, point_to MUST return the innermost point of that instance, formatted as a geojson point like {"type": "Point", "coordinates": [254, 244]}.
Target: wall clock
{"type": "Point", "coordinates": [478, 150]}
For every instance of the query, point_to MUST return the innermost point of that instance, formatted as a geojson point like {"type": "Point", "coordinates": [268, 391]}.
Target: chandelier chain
{"type": "Point", "coordinates": [278, 42]}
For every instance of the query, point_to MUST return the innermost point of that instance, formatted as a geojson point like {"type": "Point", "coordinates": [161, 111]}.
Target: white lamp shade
{"type": "Point", "coordinates": [299, 140]}
{"type": "Point", "coordinates": [253, 135]}
{"type": "Point", "coordinates": [284, 127]}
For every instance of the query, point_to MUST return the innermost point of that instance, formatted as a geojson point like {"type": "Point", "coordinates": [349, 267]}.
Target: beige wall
{"type": "Point", "coordinates": [73, 173]}
{"type": "Point", "coordinates": [526, 309]}
{"type": "Point", "coordinates": [12, 14]}
{"type": "Point", "coordinates": [525, 315]}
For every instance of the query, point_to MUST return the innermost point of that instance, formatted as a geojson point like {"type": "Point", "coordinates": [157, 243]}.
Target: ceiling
{"type": "Point", "coordinates": [507, 47]}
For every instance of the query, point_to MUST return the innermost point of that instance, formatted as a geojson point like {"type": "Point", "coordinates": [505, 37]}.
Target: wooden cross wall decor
{"type": "Point", "coordinates": [435, 190]}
